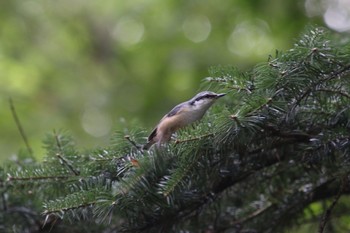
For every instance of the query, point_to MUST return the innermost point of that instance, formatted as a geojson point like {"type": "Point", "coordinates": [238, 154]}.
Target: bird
{"type": "Point", "coordinates": [180, 116]}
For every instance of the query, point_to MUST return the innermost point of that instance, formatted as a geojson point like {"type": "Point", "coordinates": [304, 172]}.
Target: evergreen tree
{"type": "Point", "coordinates": [263, 159]}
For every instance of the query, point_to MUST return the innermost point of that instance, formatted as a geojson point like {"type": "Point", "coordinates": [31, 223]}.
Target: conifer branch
{"type": "Point", "coordinates": [338, 92]}
{"type": "Point", "coordinates": [333, 75]}
{"type": "Point", "coordinates": [177, 141]}
{"type": "Point", "coordinates": [66, 209]}
{"type": "Point", "coordinates": [343, 71]}
{"type": "Point", "coordinates": [280, 152]}
{"type": "Point", "coordinates": [238, 88]}
{"type": "Point", "coordinates": [60, 156]}
{"type": "Point", "coordinates": [12, 178]}
{"type": "Point", "coordinates": [235, 118]}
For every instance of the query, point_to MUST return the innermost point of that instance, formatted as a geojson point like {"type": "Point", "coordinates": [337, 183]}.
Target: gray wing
{"type": "Point", "coordinates": [174, 111]}
{"type": "Point", "coordinates": [150, 140]}
{"type": "Point", "coordinates": [153, 134]}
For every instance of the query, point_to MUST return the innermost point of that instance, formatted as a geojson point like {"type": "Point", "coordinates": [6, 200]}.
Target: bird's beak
{"type": "Point", "coordinates": [220, 95]}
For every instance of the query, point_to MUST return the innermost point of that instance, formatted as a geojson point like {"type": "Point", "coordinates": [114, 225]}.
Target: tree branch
{"type": "Point", "coordinates": [329, 210]}
{"type": "Point", "coordinates": [19, 126]}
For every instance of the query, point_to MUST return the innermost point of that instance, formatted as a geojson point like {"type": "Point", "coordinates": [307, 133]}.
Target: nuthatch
{"type": "Point", "coordinates": [180, 116]}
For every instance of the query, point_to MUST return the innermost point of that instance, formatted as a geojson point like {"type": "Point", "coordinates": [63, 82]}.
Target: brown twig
{"type": "Point", "coordinates": [328, 212]}
{"type": "Point", "coordinates": [252, 215]}
{"type": "Point", "coordinates": [133, 143]}
{"type": "Point", "coordinates": [19, 126]}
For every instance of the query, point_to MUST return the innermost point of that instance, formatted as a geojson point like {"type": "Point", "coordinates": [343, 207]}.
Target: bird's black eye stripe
{"type": "Point", "coordinates": [208, 96]}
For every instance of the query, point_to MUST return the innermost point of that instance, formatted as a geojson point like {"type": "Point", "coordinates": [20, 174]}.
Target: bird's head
{"type": "Point", "coordinates": [205, 99]}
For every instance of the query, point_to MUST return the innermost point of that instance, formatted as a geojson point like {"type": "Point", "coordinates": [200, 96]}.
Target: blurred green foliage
{"type": "Point", "coordinates": [91, 67]}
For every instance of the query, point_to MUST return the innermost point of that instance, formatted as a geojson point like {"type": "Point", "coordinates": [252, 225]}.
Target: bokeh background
{"type": "Point", "coordinates": [93, 67]}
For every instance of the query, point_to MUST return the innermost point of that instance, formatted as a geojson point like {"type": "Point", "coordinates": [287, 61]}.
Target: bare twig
{"type": "Point", "coordinates": [252, 215]}
{"type": "Point", "coordinates": [133, 143]}
{"type": "Point", "coordinates": [328, 212]}
{"type": "Point", "coordinates": [19, 126]}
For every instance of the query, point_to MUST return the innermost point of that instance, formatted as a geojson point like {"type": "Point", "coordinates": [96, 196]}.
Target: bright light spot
{"type": "Point", "coordinates": [95, 122]}
{"type": "Point", "coordinates": [129, 31]}
{"type": "Point", "coordinates": [250, 39]}
{"type": "Point", "coordinates": [196, 28]}
{"type": "Point", "coordinates": [337, 15]}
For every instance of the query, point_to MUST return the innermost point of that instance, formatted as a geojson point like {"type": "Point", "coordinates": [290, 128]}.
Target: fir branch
{"type": "Point", "coordinates": [86, 195]}
{"type": "Point", "coordinates": [60, 156]}
{"type": "Point", "coordinates": [36, 172]}
{"type": "Point", "coordinates": [19, 126]}
{"type": "Point", "coordinates": [235, 118]}
{"type": "Point", "coordinates": [345, 69]}
{"type": "Point", "coordinates": [308, 90]}
{"type": "Point", "coordinates": [140, 168]}
{"type": "Point", "coordinates": [66, 209]}
{"type": "Point", "coordinates": [168, 184]}
{"type": "Point", "coordinates": [232, 87]}
{"type": "Point", "coordinates": [177, 141]}
{"type": "Point", "coordinates": [238, 88]}
{"type": "Point", "coordinates": [12, 178]}
{"type": "Point", "coordinates": [338, 92]}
